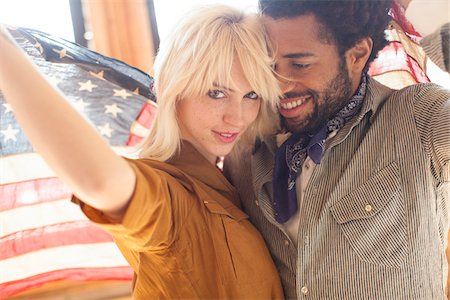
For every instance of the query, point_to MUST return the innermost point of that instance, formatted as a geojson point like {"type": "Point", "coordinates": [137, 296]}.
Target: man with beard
{"type": "Point", "coordinates": [352, 195]}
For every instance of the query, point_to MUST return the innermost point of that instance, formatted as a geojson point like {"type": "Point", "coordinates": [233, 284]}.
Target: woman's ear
{"type": "Point", "coordinates": [358, 55]}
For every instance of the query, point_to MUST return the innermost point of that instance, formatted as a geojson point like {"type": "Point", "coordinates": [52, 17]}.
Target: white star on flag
{"type": "Point", "coordinates": [98, 75]}
{"type": "Point", "coordinates": [87, 86]}
{"type": "Point", "coordinates": [80, 105]}
{"type": "Point", "coordinates": [62, 53]}
{"type": "Point", "coordinates": [10, 133]}
{"type": "Point", "coordinates": [122, 93]}
{"type": "Point", "coordinates": [38, 46]}
{"type": "Point", "coordinates": [105, 130]}
{"type": "Point", "coordinates": [8, 107]}
{"type": "Point", "coordinates": [53, 80]}
{"type": "Point", "coordinates": [112, 109]}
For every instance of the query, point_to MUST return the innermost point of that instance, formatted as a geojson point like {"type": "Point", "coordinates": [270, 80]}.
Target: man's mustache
{"type": "Point", "coordinates": [290, 95]}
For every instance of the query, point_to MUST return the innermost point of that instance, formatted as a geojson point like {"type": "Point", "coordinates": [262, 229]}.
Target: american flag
{"type": "Point", "coordinates": [43, 236]}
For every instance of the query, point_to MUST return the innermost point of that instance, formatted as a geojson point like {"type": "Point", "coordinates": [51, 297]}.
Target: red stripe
{"type": "Point", "coordinates": [32, 192]}
{"type": "Point", "coordinates": [395, 58]}
{"type": "Point", "coordinates": [9, 289]}
{"type": "Point", "coordinates": [144, 118]}
{"type": "Point", "coordinates": [63, 234]}
{"type": "Point", "coordinates": [147, 115]}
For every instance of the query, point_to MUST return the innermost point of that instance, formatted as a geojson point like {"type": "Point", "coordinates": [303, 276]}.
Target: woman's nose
{"type": "Point", "coordinates": [234, 115]}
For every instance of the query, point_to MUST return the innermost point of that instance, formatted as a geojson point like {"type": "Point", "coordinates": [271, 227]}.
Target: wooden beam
{"type": "Point", "coordinates": [122, 30]}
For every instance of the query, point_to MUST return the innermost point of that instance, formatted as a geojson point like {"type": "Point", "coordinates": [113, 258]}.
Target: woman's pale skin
{"type": "Point", "coordinates": [215, 121]}
{"type": "Point", "coordinates": [82, 158]}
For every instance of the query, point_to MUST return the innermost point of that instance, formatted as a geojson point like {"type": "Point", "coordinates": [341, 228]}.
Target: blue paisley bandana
{"type": "Point", "coordinates": [293, 152]}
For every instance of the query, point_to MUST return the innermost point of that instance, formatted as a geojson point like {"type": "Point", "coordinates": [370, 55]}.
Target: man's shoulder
{"type": "Point", "coordinates": [417, 92]}
{"type": "Point", "coordinates": [421, 98]}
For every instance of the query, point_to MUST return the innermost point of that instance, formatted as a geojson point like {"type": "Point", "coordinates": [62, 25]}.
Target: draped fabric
{"type": "Point", "coordinates": [402, 62]}
{"type": "Point", "coordinates": [43, 236]}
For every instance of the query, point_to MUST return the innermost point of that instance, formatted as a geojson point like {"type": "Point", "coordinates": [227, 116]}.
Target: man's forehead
{"type": "Point", "coordinates": [300, 29]}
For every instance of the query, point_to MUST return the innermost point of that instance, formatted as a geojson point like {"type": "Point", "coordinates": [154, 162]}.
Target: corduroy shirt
{"type": "Point", "coordinates": [185, 236]}
{"type": "Point", "coordinates": [375, 214]}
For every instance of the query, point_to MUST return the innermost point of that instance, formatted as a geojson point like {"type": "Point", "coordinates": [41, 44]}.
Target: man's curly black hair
{"type": "Point", "coordinates": [345, 21]}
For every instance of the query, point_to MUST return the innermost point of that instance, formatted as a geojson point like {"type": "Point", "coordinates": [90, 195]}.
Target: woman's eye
{"type": "Point", "coordinates": [216, 94]}
{"type": "Point", "coordinates": [300, 66]}
{"type": "Point", "coordinates": [252, 96]}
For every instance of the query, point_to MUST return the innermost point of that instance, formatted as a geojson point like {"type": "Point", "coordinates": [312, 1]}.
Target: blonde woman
{"type": "Point", "coordinates": [172, 213]}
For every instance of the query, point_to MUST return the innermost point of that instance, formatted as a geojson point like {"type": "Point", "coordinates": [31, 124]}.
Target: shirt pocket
{"type": "Point", "coordinates": [240, 251]}
{"type": "Point", "coordinates": [372, 219]}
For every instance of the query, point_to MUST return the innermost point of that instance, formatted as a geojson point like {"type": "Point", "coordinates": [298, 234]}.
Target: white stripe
{"type": "Point", "coordinates": [139, 130]}
{"type": "Point", "coordinates": [39, 215]}
{"type": "Point", "coordinates": [59, 258]}
{"type": "Point", "coordinates": [23, 167]}
{"type": "Point", "coordinates": [29, 166]}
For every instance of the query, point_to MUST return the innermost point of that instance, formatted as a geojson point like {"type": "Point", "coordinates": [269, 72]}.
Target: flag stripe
{"type": "Point", "coordinates": [113, 273]}
{"type": "Point", "coordinates": [35, 216]}
{"type": "Point", "coordinates": [29, 166]}
{"type": "Point", "coordinates": [32, 192]}
{"type": "Point", "coordinates": [63, 234]}
{"type": "Point", "coordinates": [23, 167]}
{"type": "Point", "coordinates": [57, 258]}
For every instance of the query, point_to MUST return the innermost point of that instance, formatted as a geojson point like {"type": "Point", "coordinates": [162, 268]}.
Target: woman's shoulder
{"type": "Point", "coordinates": [162, 170]}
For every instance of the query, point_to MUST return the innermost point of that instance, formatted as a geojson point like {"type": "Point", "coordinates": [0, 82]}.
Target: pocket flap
{"type": "Point", "coordinates": [231, 211]}
{"type": "Point", "coordinates": [369, 198]}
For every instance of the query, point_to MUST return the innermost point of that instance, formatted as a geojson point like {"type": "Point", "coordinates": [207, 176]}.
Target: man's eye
{"type": "Point", "coordinates": [216, 94]}
{"type": "Point", "coordinates": [252, 96]}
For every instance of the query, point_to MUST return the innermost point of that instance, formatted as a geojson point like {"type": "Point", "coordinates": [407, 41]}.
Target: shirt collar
{"type": "Point", "coordinates": [193, 163]}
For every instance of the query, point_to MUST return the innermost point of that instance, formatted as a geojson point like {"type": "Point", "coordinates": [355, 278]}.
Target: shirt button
{"type": "Point", "coordinates": [306, 240]}
{"type": "Point", "coordinates": [304, 290]}
{"type": "Point", "coordinates": [256, 202]}
{"type": "Point", "coordinates": [307, 166]}
{"type": "Point", "coordinates": [368, 208]}
{"type": "Point", "coordinates": [286, 242]}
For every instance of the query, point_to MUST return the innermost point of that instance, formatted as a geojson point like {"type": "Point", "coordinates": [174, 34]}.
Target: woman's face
{"type": "Point", "coordinates": [215, 121]}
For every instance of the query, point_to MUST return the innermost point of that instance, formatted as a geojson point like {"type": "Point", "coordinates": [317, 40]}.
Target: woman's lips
{"type": "Point", "coordinates": [226, 137]}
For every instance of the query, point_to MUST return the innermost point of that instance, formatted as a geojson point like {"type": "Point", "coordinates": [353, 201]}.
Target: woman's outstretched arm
{"type": "Point", "coordinates": [70, 145]}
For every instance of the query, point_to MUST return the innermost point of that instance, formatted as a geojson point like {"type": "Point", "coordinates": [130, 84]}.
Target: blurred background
{"type": "Point", "coordinates": [128, 30]}
{"type": "Point", "coordinates": [52, 252]}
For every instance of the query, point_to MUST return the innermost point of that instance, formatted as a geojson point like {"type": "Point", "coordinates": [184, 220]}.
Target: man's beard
{"type": "Point", "coordinates": [326, 103]}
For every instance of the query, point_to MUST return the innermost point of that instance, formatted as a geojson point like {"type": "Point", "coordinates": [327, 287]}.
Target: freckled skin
{"type": "Point", "coordinates": [201, 118]}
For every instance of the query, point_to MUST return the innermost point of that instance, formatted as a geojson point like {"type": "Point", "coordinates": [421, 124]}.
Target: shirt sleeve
{"type": "Point", "coordinates": [148, 223]}
{"type": "Point", "coordinates": [437, 46]}
{"type": "Point", "coordinates": [432, 112]}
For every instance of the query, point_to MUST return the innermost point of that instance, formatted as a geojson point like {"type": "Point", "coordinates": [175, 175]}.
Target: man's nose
{"type": "Point", "coordinates": [286, 83]}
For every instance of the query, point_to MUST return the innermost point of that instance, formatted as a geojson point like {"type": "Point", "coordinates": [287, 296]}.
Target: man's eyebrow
{"type": "Point", "coordinates": [222, 87]}
{"type": "Point", "coordinates": [298, 55]}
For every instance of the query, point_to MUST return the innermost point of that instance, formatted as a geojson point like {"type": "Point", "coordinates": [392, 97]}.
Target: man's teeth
{"type": "Point", "coordinates": [294, 104]}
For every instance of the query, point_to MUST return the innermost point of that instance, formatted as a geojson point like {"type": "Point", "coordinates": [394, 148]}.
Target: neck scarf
{"type": "Point", "coordinates": [292, 154]}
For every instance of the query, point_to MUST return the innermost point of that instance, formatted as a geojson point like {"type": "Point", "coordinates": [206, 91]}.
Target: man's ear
{"type": "Point", "coordinates": [358, 55]}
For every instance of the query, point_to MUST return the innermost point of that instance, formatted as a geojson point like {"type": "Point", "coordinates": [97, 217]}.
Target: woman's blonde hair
{"type": "Point", "coordinates": [198, 54]}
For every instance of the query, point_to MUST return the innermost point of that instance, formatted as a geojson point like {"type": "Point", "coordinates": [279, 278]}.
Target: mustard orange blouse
{"type": "Point", "coordinates": [185, 237]}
